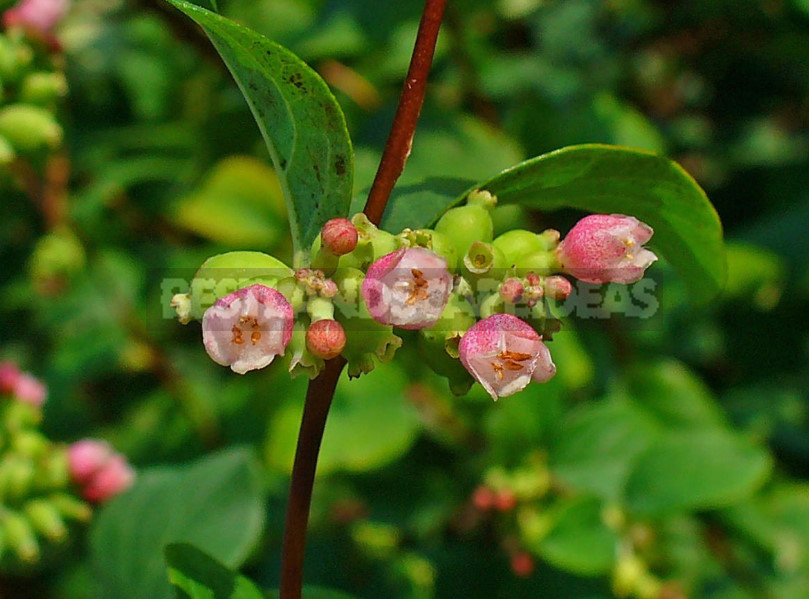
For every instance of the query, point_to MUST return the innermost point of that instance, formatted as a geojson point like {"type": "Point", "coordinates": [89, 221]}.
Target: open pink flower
{"type": "Point", "coordinates": [101, 472]}
{"type": "Point", "coordinates": [504, 354]}
{"type": "Point", "coordinates": [604, 248]}
{"type": "Point", "coordinates": [248, 328]}
{"type": "Point", "coordinates": [408, 288]}
{"type": "Point", "coordinates": [38, 16]}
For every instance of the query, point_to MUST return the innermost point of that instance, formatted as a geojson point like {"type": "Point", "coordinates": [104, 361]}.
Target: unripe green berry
{"type": "Point", "coordinates": [43, 88]}
{"type": "Point", "coordinates": [45, 519]}
{"type": "Point", "coordinates": [517, 243]}
{"type": "Point", "coordinates": [225, 273]}
{"type": "Point", "coordinates": [29, 128]}
{"type": "Point", "coordinates": [20, 536]}
{"type": "Point", "coordinates": [464, 225]}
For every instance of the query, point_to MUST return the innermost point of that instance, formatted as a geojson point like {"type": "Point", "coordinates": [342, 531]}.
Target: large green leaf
{"type": "Point", "coordinates": [610, 179]}
{"type": "Point", "coordinates": [299, 117]}
{"type": "Point", "coordinates": [196, 575]}
{"type": "Point", "coordinates": [371, 423]}
{"type": "Point", "coordinates": [579, 541]}
{"type": "Point", "coordinates": [595, 446]}
{"type": "Point", "coordinates": [216, 503]}
{"type": "Point", "coordinates": [695, 470]}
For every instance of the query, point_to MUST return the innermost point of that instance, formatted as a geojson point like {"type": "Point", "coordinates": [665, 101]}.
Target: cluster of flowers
{"type": "Point", "coordinates": [39, 479]}
{"type": "Point", "coordinates": [462, 289]}
{"type": "Point", "coordinates": [32, 79]}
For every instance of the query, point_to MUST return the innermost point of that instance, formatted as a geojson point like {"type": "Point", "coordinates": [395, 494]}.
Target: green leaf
{"type": "Point", "coordinates": [684, 471]}
{"type": "Point", "coordinates": [673, 396]}
{"type": "Point", "coordinates": [196, 575]}
{"type": "Point", "coordinates": [298, 116]}
{"type": "Point", "coordinates": [371, 423]}
{"type": "Point", "coordinates": [216, 503]}
{"type": "Point", "coordinates": [596, 446]}
{"type": "Point", "coordinates": [579, 541]}
{"type": "Point", "coordinates": [239, 204]}
{"type": "Point", "coordinates": [611, 179]}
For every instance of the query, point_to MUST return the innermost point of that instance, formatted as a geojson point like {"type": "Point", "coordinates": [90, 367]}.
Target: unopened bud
{"type": "Point", "coordinates": [506, 500]}
{"type": "Point", "coordinates": [522, 564]}
{"type": "Point", "coordinates": [325, 339]}
{"type": "Point", "coordinates": [512, 290]}
{"type": "Point", "coordinates": [484, 498]}
{"type": "Point", "coordinates": [557, 287]}
{"type": "Point", "coordinates": [339, 236]}
{"type": "Point", "coordinates": [9, 374]}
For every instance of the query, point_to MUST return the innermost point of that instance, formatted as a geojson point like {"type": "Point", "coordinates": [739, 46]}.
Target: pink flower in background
{"type": "Point", "coordinates": [604, 248]}
{"type": "Point", "coordinates": [30, 390]}
{"type": "Point", "coordinates": [38, 16]}
{"type": "Point", "coordinates": [248, 328]}
{"type": "Point", "coordinates": [9, 375]}
{"type": "Point", "coordinates": [408, 288]}
{"type": "Point", "coordinates": [504, 354]}
{"type": "Point", "coordinates": [101, 472]}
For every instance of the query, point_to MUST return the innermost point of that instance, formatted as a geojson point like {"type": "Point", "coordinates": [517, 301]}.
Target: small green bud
{"type": "Point", "coordinates": [45, 519]}
{"type": "Point", "coordinates": [464, 225]}
{"type": "Point", "coordinates": [223, 274]}
{"type": "Point", "coordinates": [43, 88]}
{"type": "Point", "coordinates": [16, 476]}
{"type": "Point", "coordinates": [298, 359]}
{"type": "Point", "coordinates": [365, 337]}
{"type": "Point", "coordinates": [30, 444]}
{"type": "Point", "coordinates": [432, 240]}
{"type": "Point", "coordinates": [29, 128]}
{"type": "Point", "coordinates": [20, 536]}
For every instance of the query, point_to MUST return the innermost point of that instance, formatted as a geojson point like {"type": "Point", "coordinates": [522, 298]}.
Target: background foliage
{"type": "Point", "coordinates": [670, 449]}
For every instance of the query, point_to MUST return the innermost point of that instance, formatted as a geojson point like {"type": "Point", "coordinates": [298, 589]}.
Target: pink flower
{"type": "Point", "coordinates": [38, 16]}
{"type": "Point", "coordinates": [504, 353]}
{"type": "Point", "coordinates": [248, 328]}
{"type": "Point", "coordinates": [30, 390]}
{"type": "Point", "coordinates": [100, 471]}
{"type": "Point", "coordinates": [9, 375]}
{"type": "Point", "coordinates": [113, 478]}
{"type": "Point", "coordinates": [408, 288]}
{"type": "Point", "coordinates": [604, 248]}
{"type": "Point", "coordinates": [86, 457]}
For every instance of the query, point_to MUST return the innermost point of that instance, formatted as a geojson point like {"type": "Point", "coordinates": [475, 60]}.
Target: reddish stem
{"type": "Point", "coordinates": [321, 390]}
{"type": "Point", "coordinates": [397, 148]}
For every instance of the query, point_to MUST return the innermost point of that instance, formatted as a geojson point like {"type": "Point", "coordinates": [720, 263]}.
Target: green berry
{"type": "Point", "coordinates": [29, 128]}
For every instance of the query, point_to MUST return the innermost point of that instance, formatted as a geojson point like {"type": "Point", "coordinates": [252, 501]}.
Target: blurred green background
{"type": "Point", "coordinates": [667, 458]}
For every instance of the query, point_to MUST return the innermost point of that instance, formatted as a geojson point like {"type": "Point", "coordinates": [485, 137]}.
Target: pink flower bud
{"type": "Point", "coordinates": [408, 288]}
{"type": "Point", "coordinates": [503, 353]}
{"type": "Point", "coordinates": [9, 375]}
{"type": "Point", "coordinates": [248, 328]}
{"type": "Point", "coordinates": [604, 248]}
{"type": "Point", "coordinates": [484, 498]}
{"type": "Point", "coordinates": [86, 457]}
{"type": "Point", "coordinates": [522, 564]}
{"type": "Point", "coordinates": [325, 339]}
{"type": "Point", "coordinates": [114, 477]}
{"type": "Point", "coordinates": [512, 290]}
{"type": "Point", "coordinates": [30, 390]}
{"type": "Point", "coordinates": [38, 16]}
{"type": "Point", "coordinates": [557, 287]}
{"type": "Point", "coordinates": [339, 236]}
{"type": "Point", "coordinates": [100, 471]}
